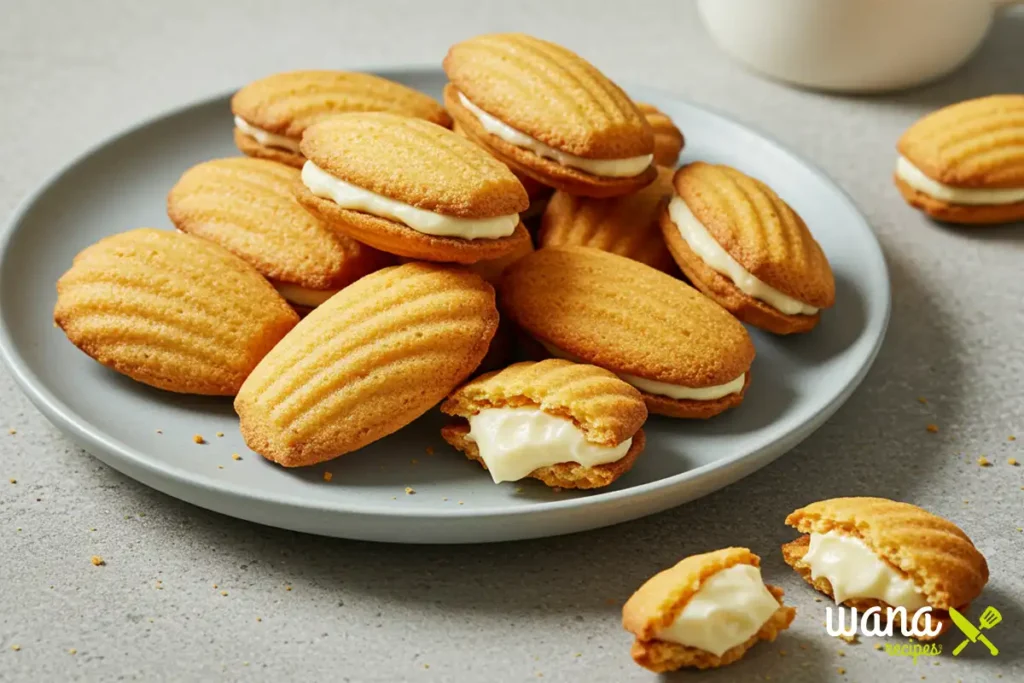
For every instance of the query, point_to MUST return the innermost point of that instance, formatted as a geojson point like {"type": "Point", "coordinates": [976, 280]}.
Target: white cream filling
{"type": "Point", "coordinates": [728, 608]}
{"type": "Point", "coordinates": [855, 571]}
{"type": "Point", "coordinates": [657, 388]}
{"type": "Point", "coordinates": [915, 177]}
{"type": "Point", "coordinates": [348, 196]}
{"type": "Point", "coordinates": [265, 137]}
{"type": "Point", "coordinates": [515, 441]}
{"type": "Point", "coordinates": [608, 168]}
{"type": "Point", "coordinates": [303, 296]}
{"type": "Point", "coordinates": [711, 252]}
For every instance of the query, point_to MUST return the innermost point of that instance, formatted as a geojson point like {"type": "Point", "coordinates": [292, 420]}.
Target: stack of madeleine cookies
{"type": "Point", "coordinates": [369, 258]}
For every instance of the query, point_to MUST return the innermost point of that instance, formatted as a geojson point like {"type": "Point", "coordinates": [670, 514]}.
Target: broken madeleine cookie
{"type": "Point", "coordinates": [566, 424]}
{"type": "Point", "coordinates": [874, 552]}
{"type": "Point", "coordinates": [705, 612]}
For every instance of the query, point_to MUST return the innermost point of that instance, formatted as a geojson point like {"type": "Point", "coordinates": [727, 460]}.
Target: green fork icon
{"type": "Point", "coordinates": [989, 618]}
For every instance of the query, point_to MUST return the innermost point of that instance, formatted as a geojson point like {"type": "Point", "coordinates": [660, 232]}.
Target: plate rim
{"type": "Point", "coordinates": [82, 431]}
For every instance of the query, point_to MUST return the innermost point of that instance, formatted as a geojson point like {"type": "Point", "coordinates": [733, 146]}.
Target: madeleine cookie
{"type": "Point", "coordinates": [685, 353]}
{"type": "Point", "coordinates": [705, 612]}
{"type": "Point", "coordinates": [743, 246]}
{"type": "Point", "coordinates": [567, 424]}
{"type": "Point", "coordinates": [549, 114]}
{"type": "Point", "coordinates": [965, 163]}
{"type": "Point", "coordinates": [411, 188]}
{"type": "Point", "coordinates": [272, 113]}
{"type": "Point", "coordinates": [873, 552]}
{"type": "Point", "coordinates": [171, 310]}
{"type": "Point", "coordinates": [668, 140]}
{"type": "Point", "coordinates": [369, 361]}
{"type": "Point", "coordinates": [627, 225]}
{"type": "Point", "coordinates": [248, 207]}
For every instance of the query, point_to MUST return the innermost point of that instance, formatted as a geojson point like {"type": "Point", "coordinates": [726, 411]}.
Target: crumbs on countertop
{"type": "Point", "coordinates": [220, 435]}
{"type": "Point", "coordinates": [159, 431]}
{"type": "Point", "coordinates": [198, 438]}
{"type": "Point", "coordinates": [13, 480]}
{"type": "Point", "coordinates": [12, 431]}
{"type": "Point", "coordinates": [430, 450]}
{"type": "Point", "coordinates": [984, 462]}
{"type": "Point", "coordinates": [97, 561]}
{"type": "Point", "coordinates": [933, 428]}
{"type": "Point", "coordinates": [16, 648]}
{"type": "Point", "coordinates": [328, 476]}
{"type": "Point", "coordinates": [236, 456]}
{"type": "Point", "coordinates": [1012, 462]}
{"type": "Point", "coordinates": [409, 490]}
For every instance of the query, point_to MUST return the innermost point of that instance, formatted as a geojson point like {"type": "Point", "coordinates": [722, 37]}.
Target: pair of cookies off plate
{"type": "Point", "coordinates": [709, 609]}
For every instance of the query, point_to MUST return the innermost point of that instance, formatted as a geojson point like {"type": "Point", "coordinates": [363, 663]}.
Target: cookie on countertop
{"type": "Point", "coordinates": [550, 114]}
{"type": "Point", "coordinates": [411, 188]}
{"type": "Point", "coordinates": [248, 207]}
{"type": "Point", "coordinates": [369, 361]}
{"type": "Point", "coordinates": [272, 113]}
{"type": "Point", "coordinates": [685, 353]}
{"type": "Point", "coordinates": [743, 246]}
{"type": "Point", "coordinates": [704, 612]}
{"type": "Point", "coordinates": [171, 310]}
{"type": "Point", "coordinates": [668, 139]}
{"type": "Point", "coordinates": [874, 552]}
{"type": "Point", "coordinates": [567, 424]}
{"type": "Point", "coordinates": [626, 225]}
{"type": "Point", "coordinates": [965, 163]}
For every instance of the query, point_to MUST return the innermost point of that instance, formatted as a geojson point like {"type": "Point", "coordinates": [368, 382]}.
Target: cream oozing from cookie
{"type": "Point", "coordinates": [302, 296]}
{"type": "Point", "coordinates": [515, 441]}
{"type": "Point", "coordinates": [696, 235]}
{"type": "Point", "coordinates": [855, 571]}
{"type": "Point", "coordinates": [607, 168]}
{"type": "Point", "coordinates": [729, 607]}
{"type": "Point", "coordinates": [972, 196]}
{"type": "Point", "coordinates": [657, 388]}
{"type": "Point", "coordinates": [265, 137]}
{"type": "Point", "coordinates": [349, 196]}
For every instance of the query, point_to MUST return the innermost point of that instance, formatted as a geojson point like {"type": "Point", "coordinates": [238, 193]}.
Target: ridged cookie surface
{"type": "Point", "coordinates": [171, 310]}
{"type": "Point", "coordinates": [288, 103]}
{"type": "Point", "coordinates": [668, 139]}
{"type": "Point", "coordinates": [248, 206]}
{"type": "Point", "coordinates": [759, 230]}
{"type": "Point", "coordinates": [369, 361]}
{"type": "Point", "coordinates": [935, 553]}
{"type": "Point", "coordinates": [657, 603]}
{"type": "Point", "coordinates": [627, 225]}
{"type": "Point", "coordinates": [605, 408]}
{"type": "Point", "coordinates": [973, 144]}
{"type": "Point", "coordinates": [625, 316]}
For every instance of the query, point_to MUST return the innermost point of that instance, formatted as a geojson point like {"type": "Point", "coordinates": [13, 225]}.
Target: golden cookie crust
{"type": "Point", "coordinates": [627, 225]}
{"type": "Point", "coordinates": [977, 143]}
{"type": "Point", "coordinates": [606, 409]}
{"type": "Point", "coordinates": [395, 238]}
{"type": "Point", "coordinates": [171, 310]}
{"type": "Point", "coordinates": [933, 552]}
{"type": "Point", "coordinates": [964, 214]}
{"type": "Point", "coordinates": [288, 103]}
{"type": "Point", "coordinates": [545, 171]}
{"type": "Point", "coordinates": [369, 361]}
{"type": "Point", "coordinates": [248, 146]}
{"type": "Point", "coordinates": [625, 316]}
{"type": "Point", "coordinates": [722, 290]}
{"type": "Point", "coordinates": [657, 603]}
{"type": "Point", "coordinates": [566, 475]}
{"type": "Point", "coordinates": [758, 229]}
{"type": "Point", "coordinates": [248, 207]}
{"type": "Point", "coordinates": [415, 162]}
{"type": "Point", "coordinates": [668, 139]}
{"type": "Point", "coordinates": [690, 409]}
{"type": "Point", "coordinates": [535, 190]}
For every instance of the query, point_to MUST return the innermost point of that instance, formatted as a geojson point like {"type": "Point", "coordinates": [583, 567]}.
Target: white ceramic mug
{"type": "Point", "coordinates": [850, 45]}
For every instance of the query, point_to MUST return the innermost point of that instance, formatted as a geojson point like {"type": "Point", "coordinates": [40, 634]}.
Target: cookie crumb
{"type": "Point", "coordinates": [409, 490]}
{"type": "Point", "coordinates": [1011, 462]}
{"type": "Point", "coordinates": [287, 588]}
{"type": "Point", "coordinates": [430, 450]}
{"type": "Point", "coordinates": [328, 476]}
{"type": "Point", "coordinates": [97, 561]}
{"type": "Point", "coordinates": [220, 467]}
{"type": "Point", "coordinates": [220, 435]}
{"type": "Point", "coordinates": [13, 480]}
{"type": "Point", "coordinates": [842, 671]}
{"type": "Point", "coordinates": [12, 431]}
{"type": "Point", "coordinates": [236, 456]}
{"type": "Point", "coordinates": [460, 502]}
{"type": "Point", "coordinates": [259, 618]}
{"type": "Point", "coordinates": [426, 666]}
{"type": "Point", "coordinates": [878, 646]}
{"type": "Point", "coordinates": [16, 648]}
{"type": "Point", "coordinates": [159, 431]}
{"type": "Point", "coordinates": [445, 498]}
{"type": "Point", "coordinates": [817, 599]}
{"type": "Point", "coordinates": [224, 593]}
{"type": "Point", "coordinates": [198, 438]}
{"type": "Point", "coordinates": [922, 400]}
{"type": "Point", "coordinates": [984, 462]}
{"type": "Point", "coordinates": [841, 653]}
{"type": "Point", "coordinates": [1011, 437]}
{"type": "Point", "coordinates": [933, 428]}
{"type": "Point", "coordinates": [851, 639]}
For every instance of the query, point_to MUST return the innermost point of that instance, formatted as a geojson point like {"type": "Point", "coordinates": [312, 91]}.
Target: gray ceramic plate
{"type": "Point", "coordinates": [147, 434]}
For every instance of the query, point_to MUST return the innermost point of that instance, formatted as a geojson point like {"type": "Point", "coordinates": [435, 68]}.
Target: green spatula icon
{"type": "Point", "coordinates": [989, 618]}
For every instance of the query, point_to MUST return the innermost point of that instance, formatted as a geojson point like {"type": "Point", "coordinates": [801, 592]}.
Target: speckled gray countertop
{"type": "Point", "coordinates": [306, 608]}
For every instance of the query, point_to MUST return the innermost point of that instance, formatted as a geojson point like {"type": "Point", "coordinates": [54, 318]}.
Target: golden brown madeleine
{"type": "Point", "coordinates": [369, 361]}
{"type": "Point", "coordinates": [248, 207]}
{"type": "Point", "coordinates": [171, 310]}
{"type": "Point", "coordinates": [272, 113]}
{"type": "Point", "coordinates": [566, 424]}
{"type": "Point", "coordinates": [668, 140]}
{"type": "Point", "coordinates": [704, 612]}
{"type": "Point", "coordinates": [743, 246]}
{"type": "Point", "coordinates": [867, 552]}
{"type": "Point", "coordinates": [965, 163]}
{"type": "Point", "coordinates": [627, 225]}
{"type": "Point", "coordinates": [685, 353]}
{"type": "Point", "coordinates": [548, 113]}
{"type": "Point", "coordinates": [411, 188]}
